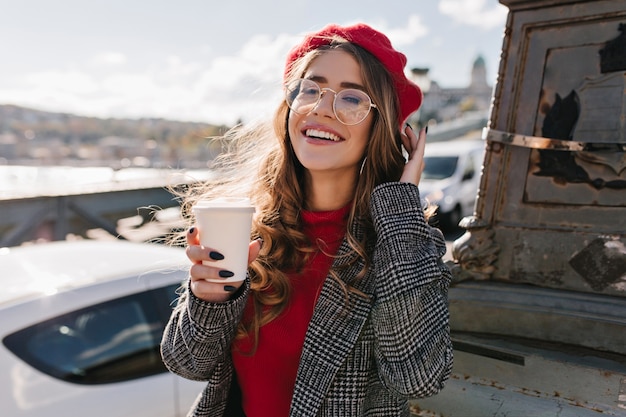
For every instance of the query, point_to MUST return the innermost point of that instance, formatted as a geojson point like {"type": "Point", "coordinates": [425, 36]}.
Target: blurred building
{"type": "Point", "coordinates": [444, 104]}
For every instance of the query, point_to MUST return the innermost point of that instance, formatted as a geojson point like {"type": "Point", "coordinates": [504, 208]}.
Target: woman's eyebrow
{"type": "Point", "coordinates": [322, 80]}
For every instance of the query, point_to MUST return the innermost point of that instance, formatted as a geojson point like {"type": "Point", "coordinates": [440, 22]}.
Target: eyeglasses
{"type": "Point", "coordinates": [350, 106]}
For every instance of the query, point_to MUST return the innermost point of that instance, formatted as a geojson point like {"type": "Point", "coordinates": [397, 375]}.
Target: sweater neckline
{"type": "Point", "coordinates": [309, 216]}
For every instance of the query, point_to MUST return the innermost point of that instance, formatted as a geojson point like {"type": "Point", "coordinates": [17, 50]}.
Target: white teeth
{"type": "Point", "coordinates": [322, 135]}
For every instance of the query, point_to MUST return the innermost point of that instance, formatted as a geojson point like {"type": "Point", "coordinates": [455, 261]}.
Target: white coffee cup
{"type": "Point", "coordinates": [224, 225]}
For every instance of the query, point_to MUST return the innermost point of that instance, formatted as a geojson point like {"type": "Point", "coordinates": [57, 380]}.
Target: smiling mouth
{"type": "Point", "coordinates": [319, 134]}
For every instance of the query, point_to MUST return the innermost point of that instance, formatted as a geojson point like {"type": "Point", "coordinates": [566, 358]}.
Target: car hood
{"type": "Point", "coordinates": [47, 268]}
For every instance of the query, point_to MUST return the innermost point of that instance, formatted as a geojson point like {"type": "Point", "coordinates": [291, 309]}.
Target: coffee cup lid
{"type": "Point", "coordinates": [234, 203]}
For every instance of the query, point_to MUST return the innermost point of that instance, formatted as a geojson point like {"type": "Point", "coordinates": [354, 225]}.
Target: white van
{"type": "Point", "coordinates": [451, 178]}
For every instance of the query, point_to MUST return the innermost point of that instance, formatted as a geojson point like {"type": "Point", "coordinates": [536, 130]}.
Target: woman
{"type": "Point", "coordinates": [344, 310]}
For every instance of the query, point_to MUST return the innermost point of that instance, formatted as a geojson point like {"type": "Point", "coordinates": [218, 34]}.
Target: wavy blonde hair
{"type": "Point", "coordinates": [258, 162]}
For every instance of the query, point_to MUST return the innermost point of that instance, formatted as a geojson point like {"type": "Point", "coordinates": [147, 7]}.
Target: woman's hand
{"type": "Point", "coordinates": [199, 272]}
{"type": "Point", "coordinates": [414, 146]}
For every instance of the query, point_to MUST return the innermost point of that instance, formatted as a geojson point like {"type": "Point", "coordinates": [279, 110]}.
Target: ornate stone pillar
{"type": "Point", "coordinates": [551, 209]}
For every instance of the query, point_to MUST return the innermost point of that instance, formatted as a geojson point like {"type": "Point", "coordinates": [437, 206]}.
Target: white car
{"type": "Point", "coordinates": [451, 178]}
{"type": "Point", "coordinates": [81, 323]}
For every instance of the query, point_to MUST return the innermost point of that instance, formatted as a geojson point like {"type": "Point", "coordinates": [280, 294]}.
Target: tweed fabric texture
{"type": "Point", "coordinates": [364, 355]}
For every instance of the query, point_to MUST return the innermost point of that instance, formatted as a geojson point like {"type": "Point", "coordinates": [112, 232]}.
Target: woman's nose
{"type": "Point", "coordinates": [324, 105]}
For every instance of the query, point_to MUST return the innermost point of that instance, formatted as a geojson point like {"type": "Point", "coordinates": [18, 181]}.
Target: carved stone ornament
{"type": "Point", "coordinates": [474, 253]}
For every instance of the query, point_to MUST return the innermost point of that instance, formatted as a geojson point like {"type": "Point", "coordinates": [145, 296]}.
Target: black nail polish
{"type": "Point", "coordinates": [426, 130]}
{"type": "Point", "coordinates": [229, 288]}
{"type": "Point", "coordinates": [409, 126]}
{"type": "Point", "coordinates": [216, 256]}
{"type": "Point", "coordinates": [193, 229]}
{"type": "Point", "coordinates": [224, 273]}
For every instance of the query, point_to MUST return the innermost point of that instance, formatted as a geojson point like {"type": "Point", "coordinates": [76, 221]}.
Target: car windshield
{"type": "Point", "coordinates": [439, 167]}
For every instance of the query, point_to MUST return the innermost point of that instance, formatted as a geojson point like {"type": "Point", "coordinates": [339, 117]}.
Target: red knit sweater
{"type": "Point", "coordinates": [267, 378]}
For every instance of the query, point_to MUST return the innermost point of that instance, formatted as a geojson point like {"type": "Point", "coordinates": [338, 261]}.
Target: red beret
{"type": "Point", "coordinates": [409, 94]}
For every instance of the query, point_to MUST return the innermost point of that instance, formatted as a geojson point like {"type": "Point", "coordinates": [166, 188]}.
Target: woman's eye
{"type": "Point", "coordinates": [353, 99]}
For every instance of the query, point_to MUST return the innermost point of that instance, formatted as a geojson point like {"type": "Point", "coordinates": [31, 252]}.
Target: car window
{"type": "Point", "coordinates": [439, 167]}
{"type": "Point", "coordinates": [469, 172]}
{"type": "Point", "coordinates": [113, 341]}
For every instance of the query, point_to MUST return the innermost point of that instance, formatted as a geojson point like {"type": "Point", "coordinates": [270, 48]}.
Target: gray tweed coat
{"type": "Point", "coordinates": [390, 345]}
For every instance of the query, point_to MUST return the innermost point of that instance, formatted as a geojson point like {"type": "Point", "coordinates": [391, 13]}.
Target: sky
{"type": "Point", "coordinates": [213, 61]}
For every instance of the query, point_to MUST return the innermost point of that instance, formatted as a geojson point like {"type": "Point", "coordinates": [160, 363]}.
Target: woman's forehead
{"type": "Point", "coordinates": [334, 66]}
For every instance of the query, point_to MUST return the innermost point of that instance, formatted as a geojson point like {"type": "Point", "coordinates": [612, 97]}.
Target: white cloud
{"type": "Point", "coordinates": [244, 85]}
{"type": "Point", "coordinates": [73, 81]}
{"type": "Point", "coordinates": [474, 13]}
{"type": "Point", "coordinates": [109, 58]}
{"type": "Point", "coordinates": [414, 30]}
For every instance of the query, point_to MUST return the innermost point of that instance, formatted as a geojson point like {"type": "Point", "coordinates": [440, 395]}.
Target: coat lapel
{"type": "Point", "coordinates": [332, 333]}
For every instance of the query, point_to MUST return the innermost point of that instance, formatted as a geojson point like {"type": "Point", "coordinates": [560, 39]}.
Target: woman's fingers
{"type": "Point", "coordinates": [208, 272]}
{"type": "Point", "coordinates": [406, 139]}
{"type": "Point", "coordinates": [420, 145]}
{"type": "Point", "coordinates": [198, 253]}
{"type": "Point", "coordinates": [415, 145]}
{"type": "Point", "coordinates": [193, 250]}
{"type": "Point", "coordinates": [213, 292]}
{"type": "Point", "coordinates": [207, 281]}
{"type": "Point", "coordinates": [205, 278]}
{"type": "Point", "coordinates": [193, 237]}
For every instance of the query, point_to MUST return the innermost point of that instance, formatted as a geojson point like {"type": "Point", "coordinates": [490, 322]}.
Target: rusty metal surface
{"type": "Point", "coordinates": [532, 141]}
{"type": "Point", "coordinates": [551, 209]}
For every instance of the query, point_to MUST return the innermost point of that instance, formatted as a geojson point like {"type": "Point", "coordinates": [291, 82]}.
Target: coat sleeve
{"type": "Point", "coordinates": [410, 314]}
{"type": "Point", "coordinates": [196, 340]}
